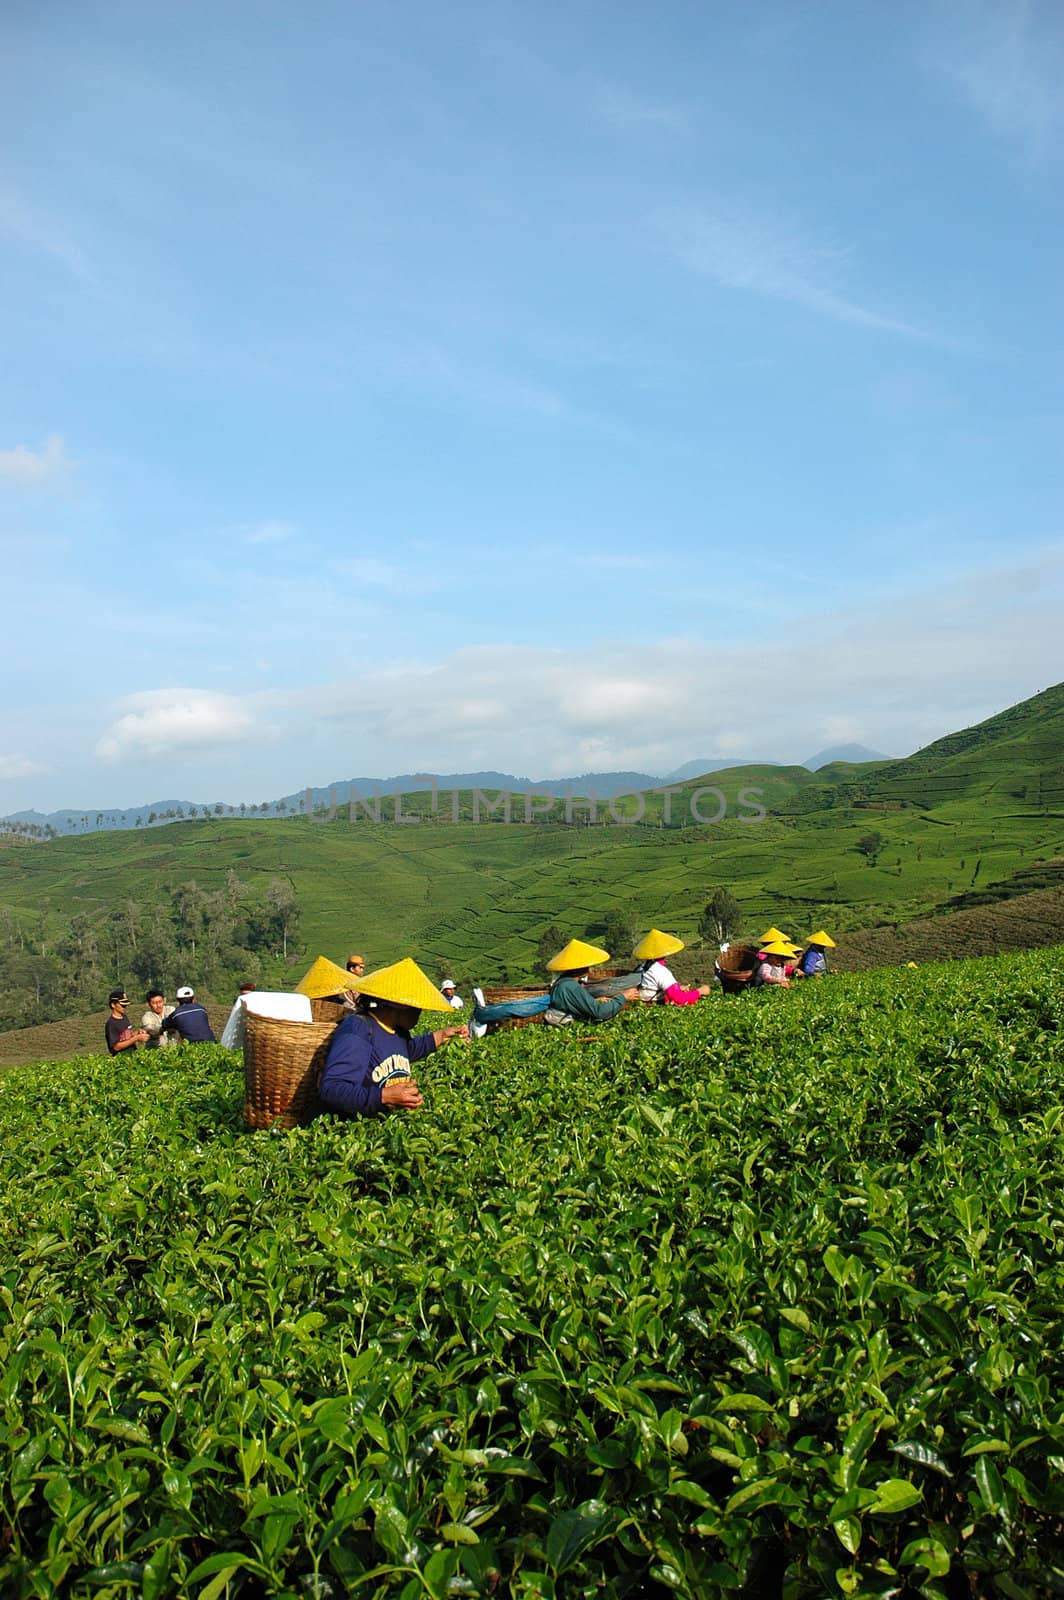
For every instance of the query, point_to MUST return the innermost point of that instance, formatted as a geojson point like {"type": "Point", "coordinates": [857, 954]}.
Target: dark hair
{"type": "Point", "coordinates": [154, 994]}
{"type": "Point", "coordinates": [115, 995]}
{"type": "Point", "coordinates": [246, 985]}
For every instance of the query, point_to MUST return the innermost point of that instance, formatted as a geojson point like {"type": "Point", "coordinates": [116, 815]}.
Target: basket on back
{"type": "Point", "coordinates": [501, 992]}
{"type": "Point", "coordinates": [328, 1011]}
{"type": "Point", "coordinates": [735, 967]}
{"type": "Point", "coordinates": [283, 1062]}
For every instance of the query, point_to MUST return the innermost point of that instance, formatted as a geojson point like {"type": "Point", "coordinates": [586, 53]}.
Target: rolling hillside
{"type": "Point", "coordinates": [964, 819]}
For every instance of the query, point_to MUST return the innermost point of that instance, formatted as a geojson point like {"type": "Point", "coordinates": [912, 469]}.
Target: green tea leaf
{"type": "Point", "coordinates": [894, 1494]}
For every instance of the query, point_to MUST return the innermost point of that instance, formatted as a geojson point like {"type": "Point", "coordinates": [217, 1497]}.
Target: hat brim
{"type": "Point", "coordinates": [402, 984]}
{"type": "Point", "coordinates": [323, 978]}
{"type": "Point", "coordinates": [655, 945]}
{"type": "Point", "coordinates": [576, 956]}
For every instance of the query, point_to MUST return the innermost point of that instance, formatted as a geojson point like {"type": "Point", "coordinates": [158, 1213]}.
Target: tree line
{"type": "Point", "coordinates": [211, 938]}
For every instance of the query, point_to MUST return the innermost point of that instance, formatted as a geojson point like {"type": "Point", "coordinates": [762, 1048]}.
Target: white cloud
{"type": "Point", "coordinates": [892, 676]}
{"type": "Point", "coordinates": [1005, 60]}
{"type": "Point", "coordinates": [841, 730]}
{"type": "Point", "coordinates": [613, 561]}
{"type": "Point", "coordinates": [609, 698]}
{"type": "Point", "coordinates": [44, 234]}
{"type": "Point", "coordinates": [158, 722]}
{"type": "Point", "coordinates": [34, 468]}
{"type": "Point", "coordinates": [18, 766]}
{"type": "Point", "coordinates": [741, 250]}
{"type": "Point", "coordinates": [368, 569]}
{"type": "Point", "coordinates": [268, 532]}
{"type": "Point", "coordinates": [433, 369]}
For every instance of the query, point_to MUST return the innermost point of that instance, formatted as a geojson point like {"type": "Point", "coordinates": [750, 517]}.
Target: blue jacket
{"type": "Point", "coordinates": [362, 1057]}
{"type": "Point", "coordinates": [191, 1021]}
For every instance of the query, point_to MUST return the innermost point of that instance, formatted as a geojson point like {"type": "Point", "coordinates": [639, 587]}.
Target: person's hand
{"type": "Point", "coordinates": [704, 989]}
{"type": "Point", "coordinates": [443, 1034]}
{"type": "Point", "coordinates": [402, 1093]}
{"type": "Point", "coordinates": [141, 1035]}
{"type": "Point", "coordinates": [631, 994]}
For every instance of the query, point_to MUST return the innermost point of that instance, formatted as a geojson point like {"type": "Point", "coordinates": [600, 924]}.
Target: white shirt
{"type": "Point", "coordinates": [152, 1023]}
{"type": "Point", "coordinates": [654, 982]}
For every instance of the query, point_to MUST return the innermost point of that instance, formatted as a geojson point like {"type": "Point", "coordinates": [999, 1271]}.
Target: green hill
{"type": "Point", "coordinates": [856, 847]}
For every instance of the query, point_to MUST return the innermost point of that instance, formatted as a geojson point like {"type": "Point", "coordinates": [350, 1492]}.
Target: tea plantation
{"type": "Point", "coordinates": [764, 1298]}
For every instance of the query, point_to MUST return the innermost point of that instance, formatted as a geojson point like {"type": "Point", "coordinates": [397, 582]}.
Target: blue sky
{"type": "Point", "coordinates": [540, 387]}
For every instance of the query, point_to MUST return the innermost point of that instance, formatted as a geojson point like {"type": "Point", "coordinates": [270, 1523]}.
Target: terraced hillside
{"type": "Point", "coordinates": [855, 847]}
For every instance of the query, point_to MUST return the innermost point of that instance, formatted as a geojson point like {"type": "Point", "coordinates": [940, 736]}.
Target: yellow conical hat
{"type": "Point", "coordinates": [655, 945]}
{"type": "Point", "coordinates": [778, 947]}
{"type": "Point", "coordinates": [404, 984]}
{"type": "Point", "coordinates": [822, 938]}
{"type": "Point", "coordinates": [576, 956]}
{"type": "Point", "coordinates": [324, 978]}
{"type": "Point", "coordinates": [770, 935]}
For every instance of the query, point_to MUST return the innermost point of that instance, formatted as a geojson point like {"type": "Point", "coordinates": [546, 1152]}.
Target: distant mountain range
{"type": "Point", "coordinates": [854, 754]}
{"type": "Point", "coordinates": [605, 784]}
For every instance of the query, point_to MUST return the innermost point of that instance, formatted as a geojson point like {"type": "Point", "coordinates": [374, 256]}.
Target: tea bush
{"type": "Point", "coordinates": [765, 1298]}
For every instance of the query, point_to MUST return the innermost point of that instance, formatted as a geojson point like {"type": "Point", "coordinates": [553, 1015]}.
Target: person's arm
{"type": "Point", "coordinates": [151, 1023]}
{"type": "Point", "coordinates": [346, 1085]}
{"type": "Point", "coordinates": [420, 1045]}
{"type": "Point", "coordinates": [128, 1039]}
{"type": "Point", "coordinates": [676, 996]}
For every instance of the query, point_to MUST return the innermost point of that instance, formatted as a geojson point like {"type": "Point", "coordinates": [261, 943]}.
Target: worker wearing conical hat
{"type": "Point", "coordinates": [367, 1069]}
{"type": "Point", "coordinates": [324, 980]}
{"type": "Point", "coordinates": [568, 992]}
{"type": "Point", "coordinates": [772, 964]}
{"type": "Point", "coordinates": [813, 962]}
{"type": "Point", "coordinates": [657, 985]}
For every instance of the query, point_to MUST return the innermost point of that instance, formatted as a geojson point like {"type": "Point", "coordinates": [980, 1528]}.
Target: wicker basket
{"type": "Point", "coordinates": [328, 1011]}
{"type": "Point", "coordinates": [501, 994]}
{"type": "Point", "coordinates": [735, 967]}
{"type": "Point", "coordinates": [282, 1065]}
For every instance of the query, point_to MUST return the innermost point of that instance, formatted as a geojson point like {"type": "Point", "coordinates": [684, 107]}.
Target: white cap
{"type": "Point", "coordinates": [448, 983]}
{"type": "Point", "coordinates": [185, 993]}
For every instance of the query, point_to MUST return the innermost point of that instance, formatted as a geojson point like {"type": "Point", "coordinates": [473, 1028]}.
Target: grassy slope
{"type": "Point", "coordinates": [974, 809]}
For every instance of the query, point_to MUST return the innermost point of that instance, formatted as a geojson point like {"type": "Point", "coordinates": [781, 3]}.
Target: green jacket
{"type": "Point", "coordinates": [567, 994]}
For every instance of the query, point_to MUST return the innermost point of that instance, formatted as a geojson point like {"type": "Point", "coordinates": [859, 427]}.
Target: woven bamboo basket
{"type": "Point", "coordinates": [501, 992]}
{"type": "Point", "coordinates": [282, 1065]}
{"type": "Point", "coordinates": [328, 1011]}
{"type": "Point", "coordinates": [735, 967]}
{"type": "Point", "coordinates": [509, 1025]}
